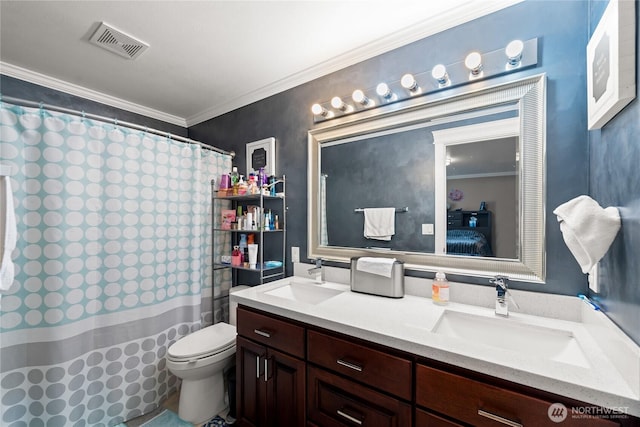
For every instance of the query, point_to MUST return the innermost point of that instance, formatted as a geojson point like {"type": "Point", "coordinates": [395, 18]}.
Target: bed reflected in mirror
{"type": "Point", "coordinates": [480, 194]}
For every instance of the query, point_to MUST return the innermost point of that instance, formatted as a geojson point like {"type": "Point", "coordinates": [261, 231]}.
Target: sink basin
{"type": "Point", "coordinates": [533, 340]}
{"type": "Point", "coordinates": [302, 292]}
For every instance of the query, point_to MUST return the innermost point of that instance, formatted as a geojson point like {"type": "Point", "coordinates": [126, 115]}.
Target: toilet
{"type": "Point", "coordinates": [200, 360]}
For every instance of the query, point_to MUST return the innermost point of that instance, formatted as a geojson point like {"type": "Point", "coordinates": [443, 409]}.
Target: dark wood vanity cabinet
{"type": "Point", "coordinates": [291, 374]}
{"type": "Point", "coordinates": [270, 372]}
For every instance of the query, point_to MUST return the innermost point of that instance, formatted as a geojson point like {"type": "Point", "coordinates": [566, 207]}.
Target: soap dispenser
{"type": "Point", "coordinates": [440, 289]}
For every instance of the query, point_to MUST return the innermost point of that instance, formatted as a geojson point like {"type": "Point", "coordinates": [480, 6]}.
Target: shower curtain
{"type": "Point", "coordinates": [113, 265]}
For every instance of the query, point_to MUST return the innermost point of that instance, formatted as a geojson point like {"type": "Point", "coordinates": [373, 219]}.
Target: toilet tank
{"type": "Point", "coordinates": [234, 305]}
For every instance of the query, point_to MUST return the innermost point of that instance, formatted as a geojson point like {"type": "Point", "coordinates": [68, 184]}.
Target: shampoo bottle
{"type": "Point", "coordinates": [440, 289]}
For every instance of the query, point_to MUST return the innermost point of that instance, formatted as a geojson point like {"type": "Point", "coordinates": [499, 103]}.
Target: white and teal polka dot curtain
{"type": "Point", "coordinates": [113, 265]}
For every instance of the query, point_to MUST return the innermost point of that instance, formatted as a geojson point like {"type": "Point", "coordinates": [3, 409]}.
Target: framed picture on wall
{"type": "Point", "coordinates": [262, 154]}
{"type": "Point", "coordinates": [611, 63]}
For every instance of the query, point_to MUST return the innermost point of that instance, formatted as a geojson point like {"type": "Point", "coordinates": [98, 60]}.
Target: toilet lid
{"type": "Point", "coordinates": [206, 341]}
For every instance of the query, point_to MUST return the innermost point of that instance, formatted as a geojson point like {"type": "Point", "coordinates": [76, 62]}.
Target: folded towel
{"type": "Point", "coordinates": [379, 223]}
{"type": "Point", "coordinates": [378, 266]}
{"type": "Point", "coordinates": [8, 234]}
{"type": "Point", "coordinates": [588, 229]}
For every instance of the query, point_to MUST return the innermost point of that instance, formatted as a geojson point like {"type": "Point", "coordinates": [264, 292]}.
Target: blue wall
{"type": "Point", "coordinates": [562, 29]}
{"type": "Point", "coordinates": [615, 181]}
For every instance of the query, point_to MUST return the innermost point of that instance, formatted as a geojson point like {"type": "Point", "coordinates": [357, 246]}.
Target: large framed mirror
{"type": "Point", "coordinates": [464, 172]}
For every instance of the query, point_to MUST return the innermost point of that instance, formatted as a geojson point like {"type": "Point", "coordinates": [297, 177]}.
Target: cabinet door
{"type": "Point", "coordinates": [251, 387]}
{"type": "Point", "coordinates": [285, 390]}
{"type": "Point", "coordinates": [337, 402]}
{"type": "Point", "coordinates": [426, 419]}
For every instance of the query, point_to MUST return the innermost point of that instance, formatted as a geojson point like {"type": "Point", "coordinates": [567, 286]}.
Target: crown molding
{"type": "Point", "coordinates": [425, 28]}
{"type": "Point", "coordinates": [83, 92]}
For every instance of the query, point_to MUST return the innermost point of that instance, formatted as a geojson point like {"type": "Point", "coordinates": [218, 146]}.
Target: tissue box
{"type": "Point", "coordinates": [375, 284]}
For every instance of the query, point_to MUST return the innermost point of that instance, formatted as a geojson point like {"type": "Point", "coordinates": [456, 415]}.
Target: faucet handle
{"type": "Point", "coordinates": [500, 282]}
{"type": "Point", "coordinates": [318, 262]}
{"type": "Point", "coordinates": [502, 288]}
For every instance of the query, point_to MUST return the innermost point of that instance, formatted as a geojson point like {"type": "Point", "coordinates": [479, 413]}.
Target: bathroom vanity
{"type": "Point", "coordinates": [320, 355]}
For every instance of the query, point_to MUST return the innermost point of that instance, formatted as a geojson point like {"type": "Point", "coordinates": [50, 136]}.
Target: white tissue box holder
{"type": "Point", "coordinates": [369, 283]}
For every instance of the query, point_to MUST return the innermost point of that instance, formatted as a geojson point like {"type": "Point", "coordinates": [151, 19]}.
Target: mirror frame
{"type": "Point", "coordinates": [529, 95]}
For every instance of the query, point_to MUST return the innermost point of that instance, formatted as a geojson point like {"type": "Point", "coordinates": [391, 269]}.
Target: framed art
{"type": "Point", "coordinates": [262, 153]}
{"type": "Point", "coordinates": [611, 63]}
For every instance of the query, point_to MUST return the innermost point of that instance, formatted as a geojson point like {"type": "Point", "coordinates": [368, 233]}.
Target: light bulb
{"type": "Point", "coordinates": [514, 52]}
{"type": "Point", "coordinates": [473, 62]}
{"type": "Point", "coordinates": [359, 97]}
{"type": "Point", "coordinates": [317, 109]}
{"type": "Point", "coordinates": [409, 82]}
{"type": "Point", "coordinates": [383, 90]}
{"type": "Point", "coordinates": [439, 72]}
{"type": "Point", "coordinates": [337, 103]}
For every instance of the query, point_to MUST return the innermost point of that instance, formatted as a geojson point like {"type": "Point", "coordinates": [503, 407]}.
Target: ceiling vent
{"type": "Point", "coordinates": [118, 42]}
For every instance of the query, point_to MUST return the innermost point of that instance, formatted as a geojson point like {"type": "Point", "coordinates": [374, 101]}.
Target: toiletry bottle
{"type": "Point", "coordinates": [242, 186]}
{"type": "Point", "coordinates": [440, 289]}
{"type": "Point", "coordinates": [277, 223]}
{"type": "Point", "coordinates": [235, 178]}
{"type": "Point", "coordinates": [243, 242]}
{"type": "Point", "coordinates": [272, 188]}
{"type": "Point", "coordinates": [236, 256]}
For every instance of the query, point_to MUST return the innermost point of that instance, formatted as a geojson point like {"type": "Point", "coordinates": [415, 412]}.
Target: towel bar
{"type": "Point", "coordinates": [400, 210]}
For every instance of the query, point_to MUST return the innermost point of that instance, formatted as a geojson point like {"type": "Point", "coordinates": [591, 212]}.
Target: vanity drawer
{"type": "Point", "coordinates": [373, 367]}
{"type": "Point", "coordinates": [275, 333]}
{"type": "Point", "coordinates": [334, 401]}
{"type": "Point", "coordinates": [481, 404]}
{"type": "Point", "coordinates": [427, 419]}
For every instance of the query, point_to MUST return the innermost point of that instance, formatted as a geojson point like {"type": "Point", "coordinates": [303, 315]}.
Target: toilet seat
{"type": "Point", "coordinates": [203, 343]}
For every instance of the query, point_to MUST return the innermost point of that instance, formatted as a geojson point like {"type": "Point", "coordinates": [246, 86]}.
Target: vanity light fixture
{"type": "Point", "coordinates": [476, 66]}
{"type": "Point", "coordinates": [362, 99]}
{"type": "Point", "coordinates": [385, 92]}
{"type": "Point", "coordinates": [319, 110]}
{"type": "Point", "coordinates": [339, 104]}
{"type": "Point", "coordinates": [514, 53]}
{"type": "Point", "coordinates": [409, 83]}
{"type": "Point", "coordinates": [473, 62]}
{"type": "Point", "coordinates": [439, 72]}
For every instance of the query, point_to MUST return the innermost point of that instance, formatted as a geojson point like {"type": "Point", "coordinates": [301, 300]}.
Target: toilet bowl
{"type": "Point", "coordinates": [200, 360]}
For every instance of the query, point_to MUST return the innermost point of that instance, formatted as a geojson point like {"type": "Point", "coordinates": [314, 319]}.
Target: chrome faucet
{"type": "Point", "coordinates": [317, 272]}
{"type": "Point", "coordinates": [502, 305]}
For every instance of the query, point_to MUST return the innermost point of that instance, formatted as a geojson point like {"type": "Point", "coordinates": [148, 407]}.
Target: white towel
{"type": "Point", "coordinates": [379, 266]}
{"type": "Point", "coordinates": [379, 223]}
{"type": "Point", "coordinates": [8, 234]}
{"type": "Point", "coordinates": [587, 229]}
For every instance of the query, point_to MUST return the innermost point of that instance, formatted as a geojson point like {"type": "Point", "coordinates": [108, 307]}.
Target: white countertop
{"type": "Point", "coordinates": [610, 376]}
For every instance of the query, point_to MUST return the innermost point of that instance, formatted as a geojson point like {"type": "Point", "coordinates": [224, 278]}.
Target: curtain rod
{"type": "Point", "coordinates": [29, 103]}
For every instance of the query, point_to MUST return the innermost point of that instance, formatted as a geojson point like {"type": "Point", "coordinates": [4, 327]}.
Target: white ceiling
{"type": "Point", "coordinates": [209, 57]}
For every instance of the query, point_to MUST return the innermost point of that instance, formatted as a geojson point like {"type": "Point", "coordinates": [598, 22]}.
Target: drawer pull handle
{"type": "Point", "coordinates": [349, 417]}
{"type": "Point", "coordinates": [349, 365]}
{"type": "Point", "coordinates": [498, 418]}
{"type": "Point", "coordinates": [266, 369]}
{"type": "Point", "coordinates": [262, 333]}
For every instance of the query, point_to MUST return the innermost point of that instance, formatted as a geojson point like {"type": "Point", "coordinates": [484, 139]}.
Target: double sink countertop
{"type": "Point", "coordinates": [582, 355]}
